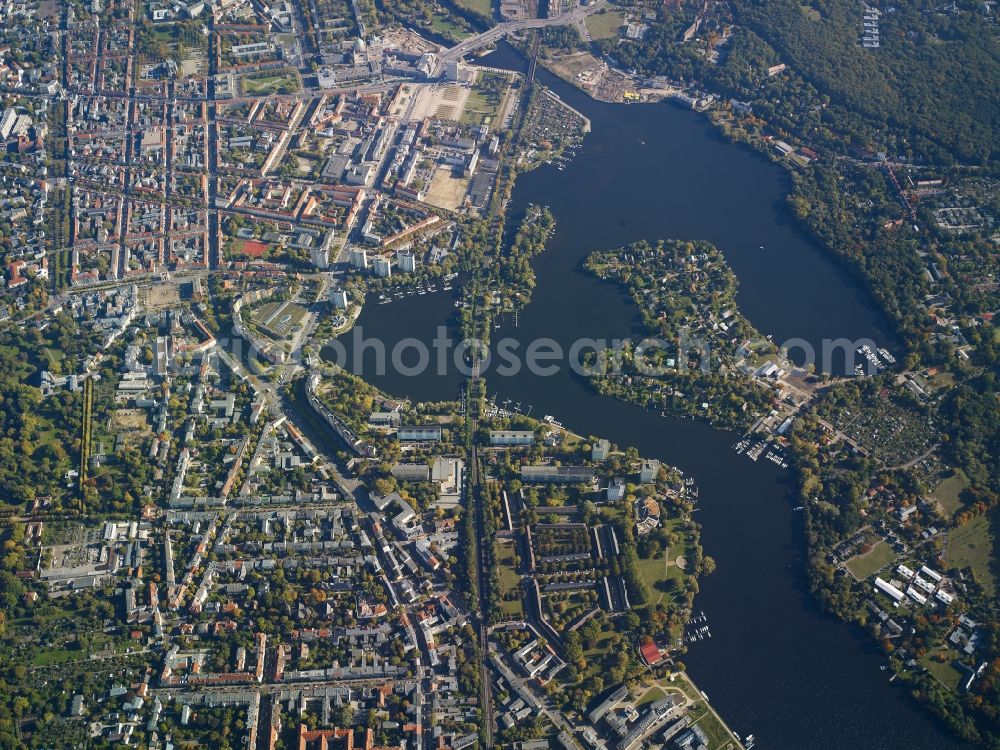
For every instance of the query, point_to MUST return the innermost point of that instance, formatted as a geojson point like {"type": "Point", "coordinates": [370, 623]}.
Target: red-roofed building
{"type": "Point", "coordinates": [16, 279]}
{"type": "Point", "coordinates": [651, 653]}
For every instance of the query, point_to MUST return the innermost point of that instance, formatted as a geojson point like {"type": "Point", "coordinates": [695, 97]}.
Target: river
{"type": "Point", "coordinates": [776, 666]}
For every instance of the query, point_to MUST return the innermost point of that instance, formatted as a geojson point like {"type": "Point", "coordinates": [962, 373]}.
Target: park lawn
{"type": "Point", "coordinates": [944, 672]}
{"type": "Point", "coordinates": [54, 656]}
{"type": "Point", "coordinates": [683, 683]}
{"type": "Point", "coordinates": [601, 645]}
{"type": "Point", "coordinates": [479, 110]}
{"type": "Point", "coordinates": [54, 356]}
{"type": "Point", "coordinates": [571, 440]}
{"type": "Point", "coordinates": [605, 24]}
{"type": "Point", "coordinates": [47, 434]}
{"type": "Point", "coordinates": [948, 492]}
{"type": "Point", "coordinates": [655, 572]}
{"type": "Point", "coordinates": [442, 24]}
{"type": "Point", "coordinates": [971, 546]}
{"type": "Point", "coordinates": [513, 609]}
{"type": "Point", "coordinates": [863, 566]}
{"type": "Point", "coordinates": [283, 83]}
{"type": "Point", "coordinates": [510, 580]}
{"type": "Point", "coordinates": [507, 554]}
{"type": "Point", "coordinates": [485, 7]}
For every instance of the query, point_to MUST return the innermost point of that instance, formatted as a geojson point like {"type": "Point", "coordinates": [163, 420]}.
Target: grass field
{"type": "Point", "coordinates": [442, 24]}
{"type": "Point", "coordinates": [971, 546]}
{"type": "Point", "coordinates": [479, 110]}
{"type": "Point", "coordinates": [510, 580]}
{"type": "Point", "coordinates": [654, 572]}
{"type": "Point", "coordinates": [866, 565]}
{"type": "Point", "coordinates": [283, 83]}
{"type": "Point", "coordinates": [601, 645]}
{"type": "Point", "coordinates": [943, 671]}
{"type": "Point", "coordinates": [947, 493]}
{"type": "Point", "coordinates": [54, 356]}
{"type": "Point", "coordinates": [54, 656]}
{"type": "Point", "coordinates": [513, 609]}
{"type": "Point", "coordinates": [478, 6]}
{"type": "Point", "coordinates": [605, 24]}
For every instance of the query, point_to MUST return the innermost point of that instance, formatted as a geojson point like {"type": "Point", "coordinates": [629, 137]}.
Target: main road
{"type": "Point", "coordinates": [473, 43]}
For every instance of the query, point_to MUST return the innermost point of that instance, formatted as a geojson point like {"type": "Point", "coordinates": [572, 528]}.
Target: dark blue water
{"type": "Point", "coordinates": [776, 666]}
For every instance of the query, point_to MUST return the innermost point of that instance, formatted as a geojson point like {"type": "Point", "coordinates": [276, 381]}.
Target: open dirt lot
{"type": "Point", "coordinates": [446, 191]}
{"type": "Point", "coordinates": [446, 102]}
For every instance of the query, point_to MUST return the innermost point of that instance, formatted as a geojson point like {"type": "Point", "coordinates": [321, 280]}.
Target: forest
{"type": "Point", "coordinates": [933, 80]}
{"type": "Point", "coordinates": [929, 91]}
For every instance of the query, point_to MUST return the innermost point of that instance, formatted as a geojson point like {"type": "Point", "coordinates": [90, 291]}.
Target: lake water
{"type": "Point", "coordinates": [776, 666]}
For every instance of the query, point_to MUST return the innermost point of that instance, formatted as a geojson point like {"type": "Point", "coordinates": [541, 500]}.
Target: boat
{"type": "Point", "coordinates": [868, 354]}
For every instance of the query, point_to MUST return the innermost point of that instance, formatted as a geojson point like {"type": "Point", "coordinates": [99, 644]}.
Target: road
{"type": "Point", "coordinates": [546, 709]}
{"type": "Point", "coordinates": [303, 422]}
{"type": "Point", "coordinates": [473, 490]}
{"type": "Point", "coordinates": [487, 38]}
